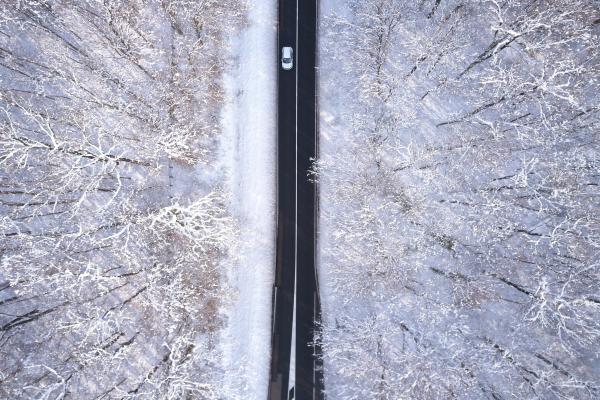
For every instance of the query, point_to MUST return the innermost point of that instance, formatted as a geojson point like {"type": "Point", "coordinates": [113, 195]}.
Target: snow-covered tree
{"type": "Point", "coordinates": [459, 179]}
{"type": "Point", "coordinates": [110, 285]}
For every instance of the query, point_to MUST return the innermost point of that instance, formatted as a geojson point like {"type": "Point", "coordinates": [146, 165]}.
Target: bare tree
{"type": "Point", "coordinates": [460, 238]}
{"type": "Point", "coordinates": [110, 284]}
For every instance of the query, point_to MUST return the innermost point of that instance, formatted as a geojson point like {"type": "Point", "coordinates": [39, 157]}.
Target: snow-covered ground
{"type": "Point", "coordinates": [249, 157]}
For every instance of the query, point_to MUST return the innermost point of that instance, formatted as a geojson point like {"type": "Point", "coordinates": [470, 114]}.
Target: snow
{"type": "Point", "coordinates": [115, 275]}
{"type": "Point", "coordinates": [248, 154]}
{"type": "Point", "coordinates": [407, 303]}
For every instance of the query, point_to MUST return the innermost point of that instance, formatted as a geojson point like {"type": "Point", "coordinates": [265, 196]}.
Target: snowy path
{"type": "Point", "coordinates": [250, 160]}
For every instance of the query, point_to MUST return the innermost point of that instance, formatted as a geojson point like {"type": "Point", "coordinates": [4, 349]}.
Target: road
{"type": "Point", "coordinates": [296, 235]}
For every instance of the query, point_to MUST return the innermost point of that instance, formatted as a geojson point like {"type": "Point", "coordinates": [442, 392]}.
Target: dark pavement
{"type": "Point", "coordinates": [283, 301]}
{"type": "Point", "coordinates": [308, 371]}
{"type": "Point", "coordinates": [297, 146]}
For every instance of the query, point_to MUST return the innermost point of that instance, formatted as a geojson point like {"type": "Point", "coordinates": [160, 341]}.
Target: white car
{"type": "Point", "coordinates": [287, 58]}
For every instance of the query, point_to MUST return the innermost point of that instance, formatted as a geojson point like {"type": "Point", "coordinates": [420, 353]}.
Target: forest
{"type": "Point", "coordinates": [459, 178]}
{"type": "Point", "coordinates": [113, 218]}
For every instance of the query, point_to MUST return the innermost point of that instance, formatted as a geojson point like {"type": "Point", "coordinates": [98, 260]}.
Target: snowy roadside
{"type": "Point", "coordinates": [248, 156]}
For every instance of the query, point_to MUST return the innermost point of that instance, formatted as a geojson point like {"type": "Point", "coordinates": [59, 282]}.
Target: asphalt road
{"type": "Point", "coordinates": [283, 300]}
{"type": "Point", "coordinates": [308, 371]}
{"type": "Point", "coordinates": [295, 268]}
